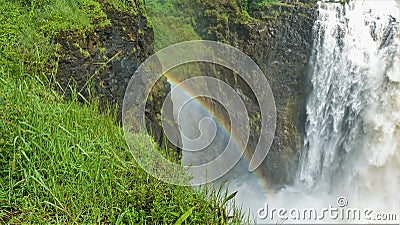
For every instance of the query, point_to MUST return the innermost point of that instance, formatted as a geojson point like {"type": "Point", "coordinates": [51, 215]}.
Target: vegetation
{"type": "Point", "coordinates": [62, 161]}
{"type": "Point", "coordinates": [267, 2]}
{"type": "Point", "coordinates": [27, 29]}
{"type": "Point", "coordinates": [175, 21]}
{"type": "Point", "coordinates": [171, 25]}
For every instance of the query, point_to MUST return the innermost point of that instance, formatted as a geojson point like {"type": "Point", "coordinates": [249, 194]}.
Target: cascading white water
{"type": "Point", "coordinates": [352, 143]}
{"type": "Point", "coordinates": [335, 102]}
{"type": "Point", "coordinates": [352, 139]}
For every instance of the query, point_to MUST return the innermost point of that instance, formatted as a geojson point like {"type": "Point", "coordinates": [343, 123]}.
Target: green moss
{"type": "Point", "coordinates": [269, 3]}
{"type": "Point", "coordinates": [29, 27]}
{"type": "Point", "coordinates": [170, 23]}
{"type": "Point", "coordinates": [84, 52]}
{"type": "Point", "coordinates": [125, 6]}
{"type": "Point", "coordinates": [302, 15]}
{"type": "Point", "coordinates": [291, 134]}
{"type": "Point", "coordinates": [102, 52]}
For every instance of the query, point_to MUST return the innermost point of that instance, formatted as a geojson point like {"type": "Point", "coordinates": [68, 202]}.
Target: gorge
{"type": "Point", "coordinates": [334, 72]}
{"type": "Point", "coordinates": [350, 150]}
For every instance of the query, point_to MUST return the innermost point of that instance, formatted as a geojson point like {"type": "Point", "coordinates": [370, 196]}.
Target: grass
{"type": "Point", "coordinates": [269, 3]}
{"type": "Point", "coordinates": [28, 28]}
{"type": "Point", "coordinates": [64, 162]}
{"type": "Point", "coordinates": [170, 23]}
{"type": "Point", "coordinates": [182, 20]}
{"type": "Point", "coordinates": [176, 21]}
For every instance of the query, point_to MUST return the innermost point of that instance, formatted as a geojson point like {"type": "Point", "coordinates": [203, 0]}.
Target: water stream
{"type": "Point", "coordinates": [352, 137]}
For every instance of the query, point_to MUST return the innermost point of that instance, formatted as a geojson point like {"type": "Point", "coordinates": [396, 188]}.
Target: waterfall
{"type": "Point", "coordinates": [352, 132]}
{"type": "Point", "coordinates": [352, 138]}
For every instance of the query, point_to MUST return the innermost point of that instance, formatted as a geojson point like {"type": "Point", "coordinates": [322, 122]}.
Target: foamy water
{"type": "Point", "coordinates": [352, 142]}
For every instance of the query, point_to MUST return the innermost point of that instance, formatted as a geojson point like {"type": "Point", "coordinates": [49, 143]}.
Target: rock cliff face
{"type": "Point", "coordinates": [100, 63]}
{"type": "Point", "coordinates": [277, 37]}
{"type": "Point", "coordinates": [279, 40]}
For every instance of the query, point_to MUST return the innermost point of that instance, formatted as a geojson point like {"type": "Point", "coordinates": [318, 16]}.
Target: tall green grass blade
{"type": "Point", "coordinates": [184, 216]}
{"type": "Point", "coordinates": [231, 196]}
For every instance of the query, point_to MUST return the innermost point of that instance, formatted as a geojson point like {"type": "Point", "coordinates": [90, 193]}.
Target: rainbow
{"type": "Point", "coordinates": [221, 121]}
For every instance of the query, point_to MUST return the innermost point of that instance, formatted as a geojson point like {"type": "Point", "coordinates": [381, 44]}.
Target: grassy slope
{"type": "Point", "coordinates": [64, 162]}
{"type": "Point", "coordinates": [170, 24]}
{"type": "Point", "coordinates": [61, 161]}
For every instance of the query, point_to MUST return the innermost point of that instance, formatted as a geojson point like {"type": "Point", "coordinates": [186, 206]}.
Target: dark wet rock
{"type": "Point", "coordinates": [99, 64]}
{"type": "Point", "coordinates": [279, 40]}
